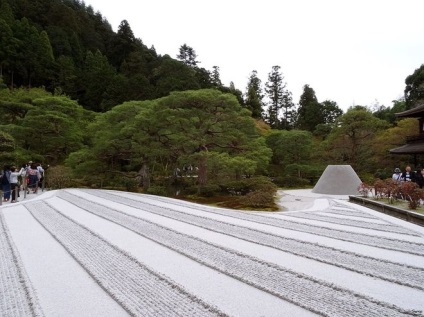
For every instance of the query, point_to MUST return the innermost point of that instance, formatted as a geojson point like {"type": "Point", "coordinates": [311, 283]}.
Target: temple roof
{"type": "Point", "coordinates": [411, 148]}
{"type": "Point", "coordinates": [416, 112]}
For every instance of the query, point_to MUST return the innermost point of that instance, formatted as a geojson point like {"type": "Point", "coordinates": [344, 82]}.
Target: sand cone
{"type": "Point", "coordinates": [338, 180]}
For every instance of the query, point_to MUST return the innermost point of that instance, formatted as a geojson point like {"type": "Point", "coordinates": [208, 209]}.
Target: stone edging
{"type": "Point", "coordinates": [403, 214]}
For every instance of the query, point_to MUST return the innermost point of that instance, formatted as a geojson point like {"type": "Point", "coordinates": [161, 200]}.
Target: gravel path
{"type": "Point", "coordinates": [386, 270]}
{"type": "Point", "coordinates": [315, 295]}
{"type": "Point", "coordinates": [17, 297]}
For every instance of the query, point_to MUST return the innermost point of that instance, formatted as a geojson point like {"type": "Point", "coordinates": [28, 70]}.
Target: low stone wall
{"type": "Point", "coordinates": [407, 215]}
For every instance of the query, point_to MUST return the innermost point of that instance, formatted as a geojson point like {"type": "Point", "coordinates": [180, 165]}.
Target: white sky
{"type": "Point", "coordinates": [352, 52]}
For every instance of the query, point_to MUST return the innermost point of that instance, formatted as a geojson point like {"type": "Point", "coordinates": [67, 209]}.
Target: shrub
{"type": "Point", "coordinates": [292, 182]}
{"type": "Point", "coordinates": [258, 199]}
{"type": "Point", "coordinates": [364, 189]}
{"type": "Point", "coordinates": [392, 190]}
{"type": "Point", "coordinates": [157, 190]}
{"type": "Point", "coordinates": [235, 188]}
{"type": "Point", "coordinates": [130, 184]}
{"type": "Point", "coordinates": [209, 190]}
{"type": "Point", "coordinates": [58, 177]}
{"type": "Point", "coordinates": [412, 194]}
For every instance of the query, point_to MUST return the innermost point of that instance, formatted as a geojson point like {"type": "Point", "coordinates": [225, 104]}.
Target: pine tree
{"type": "Point", "coordinates": [188, 55]}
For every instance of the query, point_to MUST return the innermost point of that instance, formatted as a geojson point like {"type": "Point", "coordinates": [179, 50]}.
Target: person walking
{"type": "Point", "coordinates": [5, 182]}
{"type": "Point", "coordinates": [34, 177]}
{"type": "Point", "coordinates": [14, 183]}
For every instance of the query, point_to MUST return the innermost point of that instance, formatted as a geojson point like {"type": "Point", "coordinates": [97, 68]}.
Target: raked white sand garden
{"type": "Point", "coordinates": [78, 252]}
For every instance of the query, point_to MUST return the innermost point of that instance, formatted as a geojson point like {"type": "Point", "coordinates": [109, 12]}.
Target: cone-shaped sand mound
{"type": "Point", "coordinates": [338, 180]}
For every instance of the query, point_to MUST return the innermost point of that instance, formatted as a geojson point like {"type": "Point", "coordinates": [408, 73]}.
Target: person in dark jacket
{"type": "Point", "coordinates": [5, 183]}
{"type": "Point", "coordinates": [419, 178]}
{"type": "Point", "coordinates": [408, 175]}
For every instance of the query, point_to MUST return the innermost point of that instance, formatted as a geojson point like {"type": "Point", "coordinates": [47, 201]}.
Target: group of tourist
{"type": "Point", "coordinates": [12, 178]}
{"type": "Point", "coordinates": [408, 175]}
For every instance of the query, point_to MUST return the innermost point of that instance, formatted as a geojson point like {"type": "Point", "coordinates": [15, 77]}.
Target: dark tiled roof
{"type": "Point", "coordinates": [412, 148]}
{"type": "Point", "coordinates": [416, 112]}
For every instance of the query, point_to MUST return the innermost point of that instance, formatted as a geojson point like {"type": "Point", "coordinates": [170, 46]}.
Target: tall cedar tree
{"type": "Point", "coordinates": [215, 77]}
{"type": "Point", "coordinates": [254, 96]}
{"type": "Point", "coordinates": [280, 98]}
{"type": "Point", "coordinates": [309, 113]}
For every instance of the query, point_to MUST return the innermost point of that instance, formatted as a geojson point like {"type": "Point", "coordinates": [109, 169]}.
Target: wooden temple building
{"type": "Point", "coordinates": [414, 143]}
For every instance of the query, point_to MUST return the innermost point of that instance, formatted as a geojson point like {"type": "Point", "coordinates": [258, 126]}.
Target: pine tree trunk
{"type": "Point", "coordinates": [145, 176]}
{"type": "Point", "coordinates": [202, 173]}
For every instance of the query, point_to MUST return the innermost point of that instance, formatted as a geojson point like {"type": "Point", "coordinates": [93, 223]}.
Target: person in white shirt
{"type": "Point", "coordinates": [14, 183]}
{"type": "Point", "coordinates": [397, 175]}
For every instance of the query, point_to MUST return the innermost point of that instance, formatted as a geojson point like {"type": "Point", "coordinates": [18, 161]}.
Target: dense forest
{"type": "Point", "coordinates": [102, 109]}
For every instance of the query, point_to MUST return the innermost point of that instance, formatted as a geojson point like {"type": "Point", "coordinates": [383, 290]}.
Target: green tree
{"type": "Point", "coordinates": [389, 113]}
{"type": "Point", "coordinates": [57, 123]}
{"type": "Point", "coordinates": [173, 75]}
{"type": "Point", "coordinates": [27, 59]}
{"type": "Point", "coordinates": [8, 46]}
{"type": "Point", "coordinates": [236, 92]}
{"type": "Point", "coordinates": [59, 41]}
{"type": "Point", "coordinates": [279, 98]}
{"type": "Point", "coordinates": [44, 66]}
{"type": "Point", "coordinates": [388, 139]}
{"type": "Point", "coordinates": [203, 121]}
{"type": "Point", "coordinates": [123, 44]}
{"type": "Point", "coordinates": [7, 148]}
{"type": "Point", "coordinates": [254, 96]}
{"type": "Point", "coordinates": [290, 147]}
{"type": "Point", "coordinates": [94, 80]}
{"type": "Point", "coordinates": [350, 140]}
{"type": "Point", "coordinates": [330, 111]}
{"type": "Point", "coordinates": [414, 89]}
{"type": "Point", "coordinates": [187, 55]}
{"type": "Point", "coordinates": [206, 129]}
{"type": "Point", "coordinates": [112, 146]}
{"type": "Point", "coordinates": [215, 77]}
{"type": "Point", "coordinates": [66, 75]}
{"type": "Point", "coordinates": [6, 13]}
{"type": "Point", "coordinates": [203, 77]}
{"type": "Point", "coordinates": [310, 112]}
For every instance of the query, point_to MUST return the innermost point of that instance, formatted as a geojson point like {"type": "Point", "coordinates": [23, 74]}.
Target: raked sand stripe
{"type": "Point", "coordinates": [349, 236]}
{"type": "Point", "coordinates": [17, 297]}
{"type": "Point", "coordinates": [387, 227]}
{"type": "Point", "coordinates": [139, 289]}
{"type": "Point", "coordinates": [386, 270]}
{"type": "Point", "coordinates": [315, 295]}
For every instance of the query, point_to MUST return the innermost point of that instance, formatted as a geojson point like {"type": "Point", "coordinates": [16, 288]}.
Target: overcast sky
{"type": "Point", "coordinates": [352, 52]}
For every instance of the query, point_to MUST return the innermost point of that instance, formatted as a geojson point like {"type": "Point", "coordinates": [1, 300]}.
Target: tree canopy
{"type": "Point", "coordinates": [74, 91]}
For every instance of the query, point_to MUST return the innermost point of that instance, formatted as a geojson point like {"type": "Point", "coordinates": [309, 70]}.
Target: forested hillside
{"type": "Point", "coordinates": [105, 110]}
{"type": "Point", "coordinates": [63, 45]}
